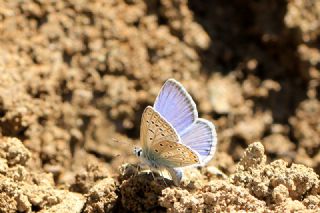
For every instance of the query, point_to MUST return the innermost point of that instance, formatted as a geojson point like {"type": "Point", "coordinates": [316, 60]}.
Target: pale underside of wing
{"type": "Point", "coordinates": [176, 105]}
{"type": "Point", "coordinates": [202, 138]}
{"type": "Point", "coordinates": [171, 154]}
{"type": "Point", "coordinates": [154, 128]}
{"type": "Point", "coordinates": [161, 143]}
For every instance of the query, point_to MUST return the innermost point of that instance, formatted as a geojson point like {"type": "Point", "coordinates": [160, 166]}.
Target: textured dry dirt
{"type": "Point", "coordinates": [75, 75]}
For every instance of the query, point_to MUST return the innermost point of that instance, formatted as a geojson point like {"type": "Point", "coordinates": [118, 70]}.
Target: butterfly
{"type": "Point", "coordinates": [171, 134]}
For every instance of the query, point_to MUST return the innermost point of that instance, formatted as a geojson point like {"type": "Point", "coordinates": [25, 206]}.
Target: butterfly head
{"type": "Point", "coordinates": [137, 151]}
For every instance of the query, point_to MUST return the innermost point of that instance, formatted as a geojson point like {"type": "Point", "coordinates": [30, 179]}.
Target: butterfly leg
{"type": "Point", "coordinates": [163, 179]}
{"type": "Point", "coordinates": [152, 175]}
{"type": "Point", "coordinates": [151, 171]}
{"type": "Point", "coordinates": [138, 170]}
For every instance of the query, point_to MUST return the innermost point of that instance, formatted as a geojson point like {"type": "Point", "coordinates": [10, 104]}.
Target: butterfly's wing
{"type": "Point", "coordinates": [161, 143]}
{"type": "Point", "coordinates": [155, 128]}
{"type": "Point", "coordinates": [202, 138]}
{"type": "Point", "coordinates": [176, 105]}
{"type": "Point", "coordinates": [173, 155]}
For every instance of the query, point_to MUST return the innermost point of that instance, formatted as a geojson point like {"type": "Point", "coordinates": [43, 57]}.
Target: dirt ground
{"type": "Point", "coordinates": [75, 77]}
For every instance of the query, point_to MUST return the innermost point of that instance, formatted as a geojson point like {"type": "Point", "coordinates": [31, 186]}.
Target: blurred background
{"type": "Point", "coordinates": [74, 75]}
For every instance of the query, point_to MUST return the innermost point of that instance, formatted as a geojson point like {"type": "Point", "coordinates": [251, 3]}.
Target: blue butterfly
{"type": "Point", "coordinates": [172, 135]}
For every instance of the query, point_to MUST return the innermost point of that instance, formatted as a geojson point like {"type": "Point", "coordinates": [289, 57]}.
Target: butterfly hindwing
{"type": "Point", "coordinates": [174, 154]}
{"type": "Point", "coordinates": [176, 105]}
{"type": "Point", "coordinates": [202, 138]}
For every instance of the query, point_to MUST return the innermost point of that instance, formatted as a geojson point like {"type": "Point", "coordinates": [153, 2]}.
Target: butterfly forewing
{"type": "Point", "coordinates": [154, 129]}
{"type": "Point", "coordinates": [176, 105]}
{"type": "Point", "coordinates": [161, 142]}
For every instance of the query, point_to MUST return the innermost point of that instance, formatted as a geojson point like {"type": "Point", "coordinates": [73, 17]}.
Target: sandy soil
{"type": "Point", "coordinates": [75, 75]}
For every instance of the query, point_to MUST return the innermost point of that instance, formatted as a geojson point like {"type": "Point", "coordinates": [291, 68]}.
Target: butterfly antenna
{"type": "Point", "coordinates": [121, 142]}
{"type": "Point", "coordinates": [117, 141]}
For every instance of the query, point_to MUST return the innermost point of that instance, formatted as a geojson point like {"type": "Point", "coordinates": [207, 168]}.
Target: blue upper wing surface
{"type": "Point", "coordinates": [176, 106]}
{"type": "Point", "coordinates": [202, 138]}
